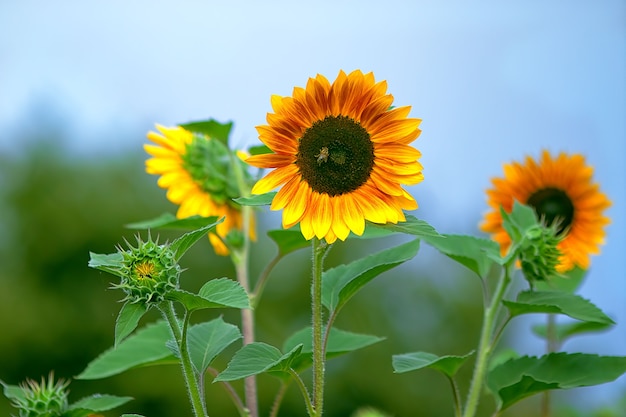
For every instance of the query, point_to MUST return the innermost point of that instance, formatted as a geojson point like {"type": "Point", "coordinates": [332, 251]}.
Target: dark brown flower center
{"type": "Point", "coordinates": [552, 204]}
{"type": "Point", "coordinates": [335, 155]}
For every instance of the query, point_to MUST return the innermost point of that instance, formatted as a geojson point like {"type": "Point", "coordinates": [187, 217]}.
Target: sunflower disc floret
{"type": "Point", "coordinates": [340, 155]}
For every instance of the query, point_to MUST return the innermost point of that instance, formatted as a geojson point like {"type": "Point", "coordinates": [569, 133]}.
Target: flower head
{"type": "Point", "coordinates": [562, 194]}
{"type": "Point", "coordinates": [44, 399]}
{"type": "Point", "coordinates": [147, 271]}
{"type": "Point", "coordinates": [341, 156]}
{"type": "Point", "coordinates": [197, 172]}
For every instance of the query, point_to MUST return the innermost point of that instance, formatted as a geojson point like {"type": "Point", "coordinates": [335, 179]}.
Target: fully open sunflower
{"type": "Point", "coordinates": [341, 156]}
{"type": "Point", "coordinates": [559, 189]}
{"type": "Point", "coordinates": [195, 170]}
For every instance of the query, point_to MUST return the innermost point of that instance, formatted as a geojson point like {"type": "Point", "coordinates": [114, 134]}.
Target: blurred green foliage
{"type": "Point", "coordinates": [58, 314]}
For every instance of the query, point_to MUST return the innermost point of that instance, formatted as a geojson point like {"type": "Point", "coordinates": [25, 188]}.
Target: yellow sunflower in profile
{"type": "Point", "coordinates": [196, 172]}
{"type": "Point", "coordinates": [341, 156]}
{"type": "Point", "coordinates": [559, 189]}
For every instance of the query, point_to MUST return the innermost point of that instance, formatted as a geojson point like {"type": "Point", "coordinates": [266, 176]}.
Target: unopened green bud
{"type": "Point", "coordinates": [539, 255]}
{"type": "Point", "coordinates": [45, 399]}
{"type": "Point", "coordinates": [148, 271]}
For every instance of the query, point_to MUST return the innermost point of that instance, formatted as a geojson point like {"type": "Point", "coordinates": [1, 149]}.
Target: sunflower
{"type": "Point", "coordinates": [341, 156]}
{"type": "Point", "coordinates": [195, 171]}
{"type": "Point", "coordinates": [560, 190]}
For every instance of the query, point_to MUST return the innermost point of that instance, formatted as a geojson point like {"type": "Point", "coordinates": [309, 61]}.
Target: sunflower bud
{"type": "Point", "coordinates": [539, 255]}
{"type": "Point", "coordinates": [45, 399]}
{"type": "Point", "coordinates": [148, 271]}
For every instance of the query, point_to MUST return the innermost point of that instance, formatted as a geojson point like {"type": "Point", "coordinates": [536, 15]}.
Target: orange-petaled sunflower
{"type": "Point", "coordinates": [196, 171]}
{"type": "Point", "coordinates": [341, 156]}
{"type": "Point", "coordinates": [559, 189]}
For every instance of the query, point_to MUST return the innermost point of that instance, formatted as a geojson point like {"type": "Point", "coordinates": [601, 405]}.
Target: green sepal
{"type": "Point", "coordinates": [128, 319]}
{"type": "Point", "coordinates": [288, 240]}
{"type": "Point", "coordinates": [111, 263]}
{"type": "Point", "coordinates": [339, 284]}
{"type": "Point", "coordinates": [522, 377]}
{"type": "Point", "coordinates": [256, 200]}
{"type": "Point", "coordinates": [518, 221]}
{"type": "Point", "coordinates": [256, 358]}
{"type": "Point", "coordinates": [216, 293]}
{"type": "Point", "coordinates": [147, 346]}
{"type": "Point", "coordinates": [449, 364]}
{"type": "Point", "coordinates": [211, 128]}
{"type": "Point", "coordinates": [554, 302]}
{"type": "Point", "coordinates": [339, 342]}
{"type": "Point", "coordinates": [12, 392]}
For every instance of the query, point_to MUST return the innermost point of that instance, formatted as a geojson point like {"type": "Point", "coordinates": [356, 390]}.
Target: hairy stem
{"type": "Point", "coordinates": [319, 249]}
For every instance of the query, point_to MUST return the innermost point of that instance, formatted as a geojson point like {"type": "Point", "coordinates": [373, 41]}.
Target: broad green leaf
{"type": "Point", "coordinates": [341, 283]}
{"type": "Point", "coordinates": [553, 302]}
{"type": "Point", "coordinates": [169, 221]}
{"type": "Point", "coordinates": [449, 364]}
{"type": "Point", "coordinates": [110, 263]}
{"type": "Point", "coordinates": [145, 347]}
{"type": "Point", "coordinates": [412, 226]}
{"type": "Point", "coordinates": [474, 253]}
{"type": "Point", "coordinates": [288, 240]}
{"type": "Point", "coordinates": [257, 358]}
{"type": "Point", "coordinates": [128, 319]}
{"type": "Point", "coordinates": [99, 402]}
{"type": "Point", "coordinates": [183, 243]}
{"type": "Point", "coordinates": [564, 331]}
{"type": "Point", "coordinates": [212, 128]}
{"type": "Point", "coordinates": [570, 282]}
{"type": "Point", "coordinates": [216, 293]}
{"type": "Point", "coordinates": [519, 378]}
{"type": "Point", "coordinates": [518, 221]}
{"type": "Point", "coordinates": [256, 200]}
{"type": "Point", "coordinates": [339, 343]}
{"type": "Point", "coordinates": [225, 291]}
{"type": "Point", "coordinates": [207, 340]}
{"type": "Point", "coordinates": [259, 150]}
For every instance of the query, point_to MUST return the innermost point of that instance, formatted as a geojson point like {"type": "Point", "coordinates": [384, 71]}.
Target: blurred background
{"type": "Point", "coordinates": [82, 82]}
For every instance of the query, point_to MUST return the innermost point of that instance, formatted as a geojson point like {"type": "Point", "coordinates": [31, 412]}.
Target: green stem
{"type": "Point", "coordinates": [260, 284]}
{"type": "Point", "coordinates": [485, 345]}
{"type": "Point", "coordinates": [456, 397]}
{"type": "Point", "coordinates": [305, 393]}
{"type": "Point", "coordinates": [240, 258]}
{"type": "Point", "coordinates": [552, 346]}
{"type": "Point", "coordinates": [278, 399]}
{"type": "Point", "coordinates": [232, 394]}
{"type": "Point", "coordinates": [319, 249]}
{"type": "Point", "coordinates": [180, 335]}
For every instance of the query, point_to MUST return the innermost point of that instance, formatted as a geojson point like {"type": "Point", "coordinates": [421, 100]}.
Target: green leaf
{"type": "Point", "coordinates": [564, 331]}
{"type": "Point", "coordinates": [145, 347]}
{"type": "Point", "coordinates": [183, 243]}
{"type": "Point", "coordinates": [341, 283]}
{"type": "Point", "coordinates": [339, 343]}
{"type": "Point", "coordinates": [225, 291]}
{"type": "Point", "coordinates": [110, 263]}
{"type": "Point", "coordinates": [518, 221]}
{"type": "Point", "coordinates": [474, 253]}
{"type": "Point", "coordinates": [570, 282]}
{"type": "Point", "coordinates": [288, 240]}
{"type": "Point", "coordinates": [256, 200]}
{"type": "Point", "coordinates": [412, 226]}
{"type": "Point", "coordinates": [207, 340]}
{"type": "Point", "coordinates": [259, 150]}
{"type": "Point", "coordinates": [12, 392]}
{"type": "Point", "coordinates": [128, 319]}
{"type": "Point", "coordinates": [257, 358]}
{"type": "Point", "coordinates": [216, 293]}
{"type": "Point", "coordinates": [99, 402]}
{"type": "Point", "coordinates": [449, 365]}
{"type": "Point", "coordinates": [171, 222]}
{"type": "Point", "coordinates": [212, 128]}
{"type": "Point", "coordinates": [553, 302]}
{"type": "Point", "coordinates": [519, 378]}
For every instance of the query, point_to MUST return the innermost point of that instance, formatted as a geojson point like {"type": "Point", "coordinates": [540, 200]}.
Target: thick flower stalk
{"type": "Point", "coordinates": [199, 176]}
{"type": "Point", "coordinates": [340, 155]}
{"type": "Point", "coordinates": [562, 192]}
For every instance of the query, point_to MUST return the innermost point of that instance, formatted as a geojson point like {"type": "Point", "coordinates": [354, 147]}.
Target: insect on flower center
{"type": "Point", "coordinates": [552, 204]}
{"type": "Point", "coordinates": [335, 155]}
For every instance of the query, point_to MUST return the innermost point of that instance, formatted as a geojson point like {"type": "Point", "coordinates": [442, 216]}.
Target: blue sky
{"type": "Point", "coordinates": [492, 82]}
